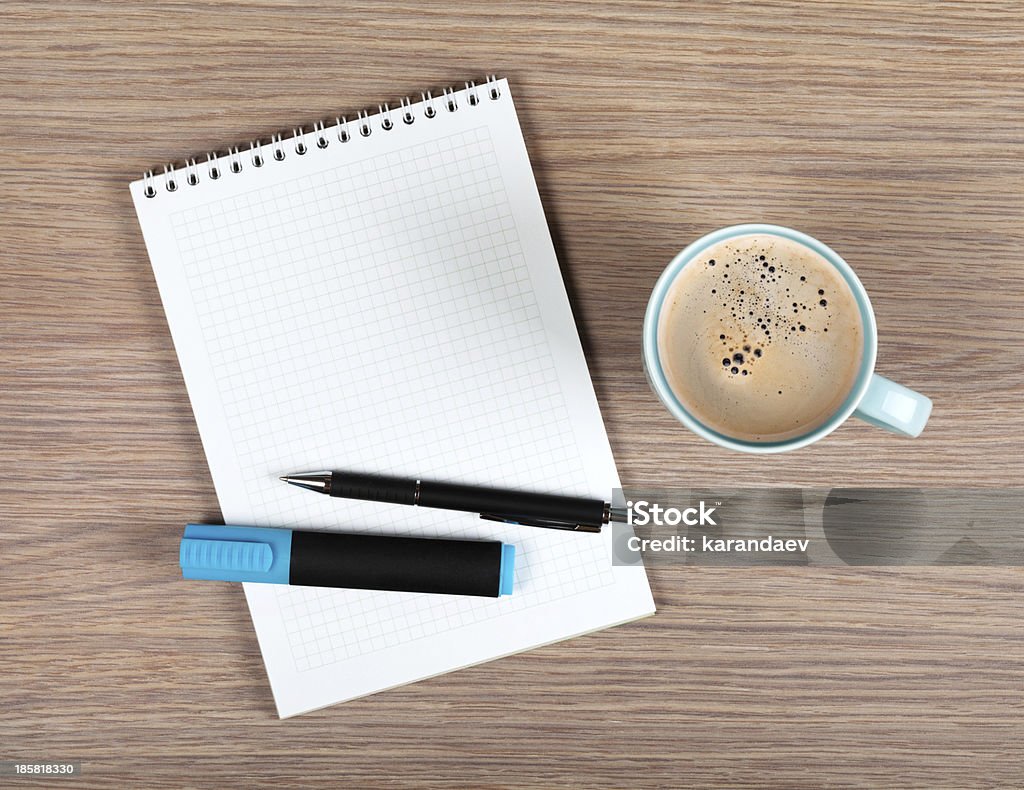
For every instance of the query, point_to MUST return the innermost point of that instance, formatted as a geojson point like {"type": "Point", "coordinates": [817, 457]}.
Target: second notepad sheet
{"type": "Point", "coordinates": [392, 304]}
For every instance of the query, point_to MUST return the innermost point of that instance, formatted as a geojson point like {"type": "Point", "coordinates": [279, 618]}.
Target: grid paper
{"type": "Point", "coordinates": [391, 310]}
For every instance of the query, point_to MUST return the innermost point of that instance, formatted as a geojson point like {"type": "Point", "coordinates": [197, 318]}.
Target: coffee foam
{"type": "Point", "coordinates": [760, 338]}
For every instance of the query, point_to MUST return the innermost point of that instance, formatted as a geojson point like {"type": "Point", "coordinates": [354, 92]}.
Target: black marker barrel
{"type": "Point", "coordinates": [372, 562]}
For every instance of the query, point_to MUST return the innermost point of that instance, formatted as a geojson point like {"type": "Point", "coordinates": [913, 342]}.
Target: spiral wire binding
{"type": "Point", "coordinates": [385, 118]}
{"type": "Point", "coordinates": [170, 183]}
{"type": "Point", "coordinates": [428, 100]}
{"type": "Point", "coordinates": [321, 136]}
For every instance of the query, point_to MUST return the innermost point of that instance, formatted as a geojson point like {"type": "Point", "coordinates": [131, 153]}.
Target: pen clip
{"type": "Point", "coordinates": [546, 523]}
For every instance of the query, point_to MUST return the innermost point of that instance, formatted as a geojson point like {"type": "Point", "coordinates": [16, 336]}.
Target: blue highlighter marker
{"type": "Point", "coordinates": [331, 559]}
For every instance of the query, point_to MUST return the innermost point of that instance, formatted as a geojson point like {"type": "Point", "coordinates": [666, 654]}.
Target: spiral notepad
{"type": "Point", "coordinates": [380, 293]}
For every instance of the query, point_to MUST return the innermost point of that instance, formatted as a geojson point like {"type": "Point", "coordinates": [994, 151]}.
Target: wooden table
{"type": "Point", "coordinates": [890, 130]}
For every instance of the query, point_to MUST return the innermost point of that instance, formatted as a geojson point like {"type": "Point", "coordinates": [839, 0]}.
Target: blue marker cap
{"type": "Point", "coordinates": [236, 554]}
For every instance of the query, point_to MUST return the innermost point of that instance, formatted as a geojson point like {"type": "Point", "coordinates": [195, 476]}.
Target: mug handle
{"type": "Point", "coordinates": [892, 406]}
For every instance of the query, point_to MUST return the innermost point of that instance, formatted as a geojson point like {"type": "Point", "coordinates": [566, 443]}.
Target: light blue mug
{"type": "Point", "coordinates": [873, 398]}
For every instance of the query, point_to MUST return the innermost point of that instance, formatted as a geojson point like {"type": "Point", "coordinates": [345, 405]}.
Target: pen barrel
{"type": "Point", "coordinates": [497, 501]}
{"type": "Point", "coordinates": [372, 562]}
{"type": "Point", "coordinates": [373, 488]}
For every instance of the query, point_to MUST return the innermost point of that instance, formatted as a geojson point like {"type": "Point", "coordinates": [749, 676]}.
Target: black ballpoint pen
{"type": "Point", "coordinates": [496, 504]}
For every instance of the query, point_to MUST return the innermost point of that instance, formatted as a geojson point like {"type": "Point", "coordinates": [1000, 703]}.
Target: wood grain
{"type": "Point", "coordinates": [891, 130]}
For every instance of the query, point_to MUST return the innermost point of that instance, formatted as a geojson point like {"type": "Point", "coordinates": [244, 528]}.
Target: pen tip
{"type": "Point", "coordinates": [314, 481]}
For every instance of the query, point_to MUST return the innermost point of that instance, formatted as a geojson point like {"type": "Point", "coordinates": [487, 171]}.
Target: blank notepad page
{"type": "Point", "coordinates": [388, 303]}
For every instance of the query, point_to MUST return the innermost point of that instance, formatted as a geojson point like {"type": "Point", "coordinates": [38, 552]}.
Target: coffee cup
{"type": "Point", "coordinates": [762, 339]}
